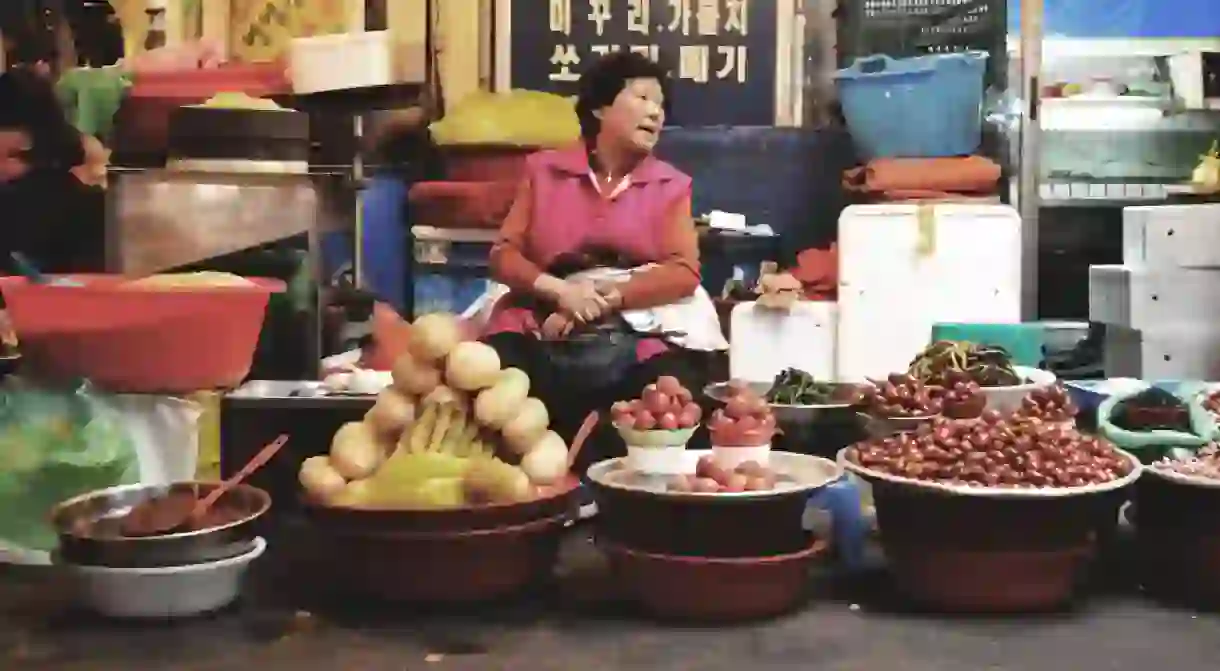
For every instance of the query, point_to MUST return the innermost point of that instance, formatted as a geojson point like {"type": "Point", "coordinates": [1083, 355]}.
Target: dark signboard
{"type": "Point", "coordinates": [720, 53]}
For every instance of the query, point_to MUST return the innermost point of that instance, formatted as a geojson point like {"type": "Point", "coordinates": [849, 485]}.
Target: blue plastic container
{"type": "Point", "coordinates": [921, 107]}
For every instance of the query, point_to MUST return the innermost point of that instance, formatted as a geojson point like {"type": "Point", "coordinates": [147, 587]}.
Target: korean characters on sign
{"type": "Point", "coordinates": [700, 63]}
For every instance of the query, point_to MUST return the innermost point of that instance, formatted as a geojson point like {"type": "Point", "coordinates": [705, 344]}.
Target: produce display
{"type": "Point", "coordinates": [1051, 404]}
{"type": "Point", "coordinates": [663, 406]}
{"type": "Point", "coordinates": [1151, 410]}
{"type": "Point", "coordinates": [996, 452]}
{"type": "Point", "coordinates": [1203, 464]}
{"type": "Point", "coordinates": [204, 279]}
{"type": "Point", "coordinates": [745, 420]}
{"type": "Point", "coordinates": [796, 387]}
{"type": "Point", "coordinates": [986, 365]}
{"type": "Point", "coordinates": [1212, 403]}
{"type": "Point", "coordinates": [454, 429]}
{"type": "Point", "coordinates": [710, 478]}
{"type": "Point", "coordinates": [961, 397]}
{"type": "Point", "coordinates": [902, 395]}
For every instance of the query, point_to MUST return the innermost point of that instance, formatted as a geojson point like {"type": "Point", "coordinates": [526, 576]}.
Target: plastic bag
{"type": "Point", "coordinates": [55, 445]}
{"type": "Point", "coordinates": [1151, 446]}
{"type": "Point", "coordinates": [517, 118]}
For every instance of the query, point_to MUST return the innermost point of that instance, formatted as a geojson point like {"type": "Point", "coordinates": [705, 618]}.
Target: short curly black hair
{"type": "Point", "coordinates": [606, 78]}
{"type": "Point", "coordinates": [28, 102]}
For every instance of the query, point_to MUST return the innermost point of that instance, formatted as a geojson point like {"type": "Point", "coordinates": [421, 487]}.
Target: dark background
{"type": "Point", "coordinates": [716, 103]}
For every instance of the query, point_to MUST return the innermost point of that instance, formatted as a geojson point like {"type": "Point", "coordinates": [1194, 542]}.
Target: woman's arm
{"type": "Point", "coordinates": [508, 263]}
{"type": "Point", "coordinates": [676, 275]}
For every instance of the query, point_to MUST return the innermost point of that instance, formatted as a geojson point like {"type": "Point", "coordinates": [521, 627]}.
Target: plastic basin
{"type": "Point", "coordinates": [138, 340]}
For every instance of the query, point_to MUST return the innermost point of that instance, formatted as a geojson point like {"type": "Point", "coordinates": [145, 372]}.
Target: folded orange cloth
{"type": "Point", "coordinates": [966, 174]}
{"type": "Point", "coordinates": [818, 272]}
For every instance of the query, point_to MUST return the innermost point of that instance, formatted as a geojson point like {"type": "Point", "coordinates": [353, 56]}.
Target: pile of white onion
{"type": "Point", "coordinates": [440, 362]}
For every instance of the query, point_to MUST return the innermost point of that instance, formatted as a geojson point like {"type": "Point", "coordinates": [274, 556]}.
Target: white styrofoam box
{"type": "Point", "coordinates": [1172, 236]}
{"type": "Point", "coordinates": [1140, 297]}
{"type": "Point", "coordinates": [354, 60]}
{"type": "Point", "coordinates": [766, 341]}
{"type": "Point", "coordinates": [1180, 352]}
{"type": "Point", "coordinates": [903, 268]}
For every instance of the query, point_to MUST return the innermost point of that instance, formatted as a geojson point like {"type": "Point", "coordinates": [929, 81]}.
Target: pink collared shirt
{"type": "Point", "coordinates": [560, 209]}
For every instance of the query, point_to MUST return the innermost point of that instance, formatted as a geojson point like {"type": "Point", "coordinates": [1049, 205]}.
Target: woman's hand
{"type": "Point", "coordinates": [582, 301]}
{"type": "Point", "coordinates": [557, 326]}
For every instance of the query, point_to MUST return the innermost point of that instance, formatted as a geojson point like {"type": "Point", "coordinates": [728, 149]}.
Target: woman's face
{"type": "Point", "coordinates": [15, 146]}
{"type": "Point", "coordinates": [636, 116]}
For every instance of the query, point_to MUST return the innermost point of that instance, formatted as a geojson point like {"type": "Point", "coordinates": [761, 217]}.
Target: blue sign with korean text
{"type": "Point", "coordinates": [720, 53]}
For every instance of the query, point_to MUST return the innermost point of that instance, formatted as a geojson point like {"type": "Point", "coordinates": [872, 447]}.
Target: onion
{"type": "Point", "coordinates": [391, 414]}
{"type": "Point", "coordinates": [547, 461]}
{"type": "Point", "coordinates": [433, 336]}
{"type": "Point", "coordinates": [472, 366]}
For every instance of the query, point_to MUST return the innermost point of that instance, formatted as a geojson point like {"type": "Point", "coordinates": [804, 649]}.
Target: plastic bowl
{"type": "Point", "coordinates": [980, 549]}
{"type": "Point", "coordinates": [713, 589]}
{"type": "Point", "coordinates": [164, 592]}
{"type": "Point", "coordinates": [439, 567]}
{"type": "Point", "coordinates": [146, 340]}
{"type": "Point", "coordinates": [1008, 399]}
{"type": "Point", "coordinates": [1177, 524]}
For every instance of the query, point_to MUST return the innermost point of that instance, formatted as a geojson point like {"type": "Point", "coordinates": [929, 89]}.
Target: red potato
{"type": "Point", "coordinates": [751, 468]}
{"type": "Point", "coordinates": [737, 407]}
{"type": "Point", "coordinates": [758, 485]}
{"type": "Point", "coordinates": [644, 421]}
{"type": "Point", "coordinates": [720, 421]}
{"type": "Point", "coordinates": [668, 421]}
{"type": "Point", "coordinates": [669, 385]}
{"type": "Point", "coordinates": [690, 416]}
{"type": "Point", "coordinates": [706, 486]}
{"type": "Point", "coordinates": [746, 424]}
{"type": "Point", "coordinates": [682, 483]}
{"type": "Point", "coordinates": [655, 401]}
{"type": "Point", "coordinates": [736, 482]}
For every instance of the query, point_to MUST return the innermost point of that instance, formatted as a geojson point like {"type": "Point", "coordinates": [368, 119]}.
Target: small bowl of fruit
{"type": "Point", "coordinates": [742, 430]}
{"type": "Point", "coordinates": [960, 397]}
{"type": "Point", "coordinates": [657, 426]}
{"type": "Point", "coordinates": [901, 402]}
{"type": "Point", "coordinates": [1049, 405]}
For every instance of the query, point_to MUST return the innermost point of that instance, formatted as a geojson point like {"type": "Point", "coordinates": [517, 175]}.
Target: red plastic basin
{"type": "Point", "coordinates": [138, 340]}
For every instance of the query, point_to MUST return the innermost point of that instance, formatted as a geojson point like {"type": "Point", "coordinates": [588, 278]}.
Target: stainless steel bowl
{"type": "Point", "coordinates": [76, 518]}
{"type": "Point", "coordinates": [792, 417]}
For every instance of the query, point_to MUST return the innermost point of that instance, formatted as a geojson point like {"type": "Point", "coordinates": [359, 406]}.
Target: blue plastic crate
{"type": "Point", "coordinates": [921, 107]}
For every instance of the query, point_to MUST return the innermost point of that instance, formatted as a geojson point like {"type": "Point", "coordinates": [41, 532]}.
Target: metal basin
{"type": "Point", "coordinates": [637, 511]}
{"type": "Point", "coordinates": [82, 542]}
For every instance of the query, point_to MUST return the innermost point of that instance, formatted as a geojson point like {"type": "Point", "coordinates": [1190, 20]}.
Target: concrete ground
{"type": "Point", "coordinates": [857, 627]}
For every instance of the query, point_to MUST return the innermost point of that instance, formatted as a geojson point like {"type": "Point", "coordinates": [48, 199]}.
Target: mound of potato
{"type": "Point", "coordinates": [454, 429]}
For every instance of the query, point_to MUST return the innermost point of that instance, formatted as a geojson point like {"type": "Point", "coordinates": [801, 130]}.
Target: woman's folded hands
{"type": "Point", "coordinates": [580, 303]}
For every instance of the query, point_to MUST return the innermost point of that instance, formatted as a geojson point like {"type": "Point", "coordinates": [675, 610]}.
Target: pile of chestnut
{"type": "Point", "coordinates": [745, 420]}
{"type": "Point", "coordinates": [904, 395]}
{"type": "Point", "coordinates": [1010, 452]}
{"type": "Point", "coordinates": [901, 395]}
{"type": "Point", "coordinates": [710, 478]}
{"type": "Point", "coordinates": [665, 405]}
{"type": "Point", "coordinates": [1049, 404]}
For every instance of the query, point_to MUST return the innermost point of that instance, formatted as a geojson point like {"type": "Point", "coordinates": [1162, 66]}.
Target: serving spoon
{"type": "Point", "coordinates": [183, 511]}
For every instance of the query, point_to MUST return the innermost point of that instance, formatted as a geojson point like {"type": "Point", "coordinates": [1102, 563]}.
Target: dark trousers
{"type": "Point", "coordinates": [568, 406]}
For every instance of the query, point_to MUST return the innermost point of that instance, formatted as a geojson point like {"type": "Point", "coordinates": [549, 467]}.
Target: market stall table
{"type": "Point", "coordinates": [840, 629]}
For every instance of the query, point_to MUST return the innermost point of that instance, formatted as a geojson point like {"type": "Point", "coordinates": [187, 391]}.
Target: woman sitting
{"type": "Point", "coordinates": [601, 259]}
{"type": "Point", "coordinates": [50, 180]}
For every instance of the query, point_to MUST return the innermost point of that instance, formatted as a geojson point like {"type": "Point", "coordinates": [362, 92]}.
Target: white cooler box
{"type": "Point", "coordinates": [904, 268]}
